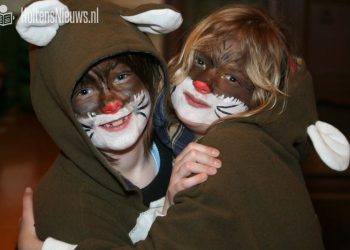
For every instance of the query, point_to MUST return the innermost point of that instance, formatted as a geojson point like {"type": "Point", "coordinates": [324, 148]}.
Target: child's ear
{"type": "Point", "coordinates": [154, 18]}
{"type": "Point", "coordinates": [34, 28]}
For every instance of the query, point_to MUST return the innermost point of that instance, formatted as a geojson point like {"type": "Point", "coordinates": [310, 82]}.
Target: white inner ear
{"type": "Point", "coordinates": [330, 144]}
{"type": "Point", "coordinates": [159, 21]}
{"type": "Point", "coordinates": [40, 21]}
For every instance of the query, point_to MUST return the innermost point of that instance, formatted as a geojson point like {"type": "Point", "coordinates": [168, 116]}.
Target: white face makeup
{"type": "Point", "coordinates": [121, 130]}
{"type": "Point", "coordinates": [200, 110]}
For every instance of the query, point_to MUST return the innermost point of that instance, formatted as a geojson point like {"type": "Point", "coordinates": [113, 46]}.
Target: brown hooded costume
{"type": "Point", "coordinates": [258, 199]}
{"type": "Point", "coordinates": [79, 198]}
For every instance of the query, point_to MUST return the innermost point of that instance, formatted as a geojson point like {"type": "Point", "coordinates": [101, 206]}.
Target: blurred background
{"type": "Point", "coordinates": [322, 35]}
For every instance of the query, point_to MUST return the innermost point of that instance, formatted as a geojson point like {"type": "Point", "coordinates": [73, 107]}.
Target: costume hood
{"type": "Point", "coordinates": [288, 120]}
{"type": "Point", "coordinates": [66, 50]}
{"type": "Point", "coordinates": [294, 119]}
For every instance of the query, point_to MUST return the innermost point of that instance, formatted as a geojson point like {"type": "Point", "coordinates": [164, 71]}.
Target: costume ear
{"type": "Point", "coordinates": [330, 144]}
{"type": "Point", "coordinates": [154, 21]}
{"type": "Point", "coordinates": [38, 28]}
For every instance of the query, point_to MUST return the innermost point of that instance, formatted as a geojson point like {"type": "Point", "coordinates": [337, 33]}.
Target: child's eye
{"type": "Point", "coordinates": [232, 79]}
{"type": "Point", "coordinates": [200, 62]}
{"type": "Point", "coordinates": [84, 92]}
{"type": "Point", "coordinates": [121, 77]}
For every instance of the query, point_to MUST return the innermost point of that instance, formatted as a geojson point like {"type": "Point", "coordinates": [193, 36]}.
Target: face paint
{"type": "Point", "coordinates": [121, 130]}
{"type": "Point", "coordinates": [195, 106]}
{"type": "Point", "coordinates": [112, 105]}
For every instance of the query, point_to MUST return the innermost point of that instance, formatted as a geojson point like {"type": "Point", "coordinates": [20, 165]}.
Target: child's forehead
{"type": "Point", "coordinates": [103, 70]}
{"type": "Point", "coordinates": [110, 64]}
{"type": "Point", "coordinates": [222, 53]}
{"type": "Point", "coordinates": [107, 67]}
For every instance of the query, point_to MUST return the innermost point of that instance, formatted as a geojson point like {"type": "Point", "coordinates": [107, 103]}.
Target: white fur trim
{"type": "Point", "coordinates": [145, 220]}
{"type": "Point", "coordinates": [35, 27]}
{"type": "Point", "coordinates": [330, 144]}
{"type": "Point", "coordinates": [51, 243]}
{"type": "Point", "coordinates": [159, 21]}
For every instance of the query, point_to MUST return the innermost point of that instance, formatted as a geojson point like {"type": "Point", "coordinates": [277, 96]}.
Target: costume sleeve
{"type": "Point", "coordinates": [257, 200]}
{"type": "Point", "coordinates": [139, 232]}
{"type": "Point", "coordinates": [91, 215]}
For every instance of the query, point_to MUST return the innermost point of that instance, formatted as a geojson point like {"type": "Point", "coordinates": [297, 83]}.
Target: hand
{"type": "Point", "coordinates": [191, 167]}
{"type": "Point", "coordinates": [27, 238]}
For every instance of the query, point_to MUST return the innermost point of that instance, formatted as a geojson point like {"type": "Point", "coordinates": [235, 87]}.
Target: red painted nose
{"type": "Point", "coordinates": [112, 107]}
{"type": "Point", "coordinates": [201, 87]}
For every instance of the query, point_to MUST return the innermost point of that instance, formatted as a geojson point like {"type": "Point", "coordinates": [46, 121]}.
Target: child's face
{"type": "Point", "coordinates": [112, 105]}
{"type": "Point", "coordinates": [215, 87]}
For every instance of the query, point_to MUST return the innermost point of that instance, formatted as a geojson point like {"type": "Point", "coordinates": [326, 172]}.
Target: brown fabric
{"type": "Point", "coordinates": [258, 199]}
{"type": "Point", "coordinates": [79, 198]}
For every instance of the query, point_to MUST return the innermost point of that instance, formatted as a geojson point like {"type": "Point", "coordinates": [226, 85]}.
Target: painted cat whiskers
{"type": "Point", "coordinates": [142, 104]}
{"type": "Point", "coordinates": [214, 106]}
{"type": "Point", "coordinates": [103, 129]}
{"type": "Point", "coordinates": [234, 103]}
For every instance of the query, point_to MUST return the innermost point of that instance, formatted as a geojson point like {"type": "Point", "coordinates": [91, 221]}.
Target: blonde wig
{"type": "Point", "coordinates": [261, 50]}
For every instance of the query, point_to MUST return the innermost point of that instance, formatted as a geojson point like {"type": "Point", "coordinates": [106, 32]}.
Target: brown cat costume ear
{"type": "Point", "coordinates": [150, 18]}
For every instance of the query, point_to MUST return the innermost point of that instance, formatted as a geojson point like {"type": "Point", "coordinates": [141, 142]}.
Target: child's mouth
{"type": "Point", "coordinates": [194, 102]}
{"type": "Point", "coordinates": [117, 125]}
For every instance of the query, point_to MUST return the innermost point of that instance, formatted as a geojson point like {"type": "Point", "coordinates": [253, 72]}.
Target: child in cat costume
{"type": "Point", "coordinates": [93, 87]}
{"type": "Point", "coordinates": [258, 199]}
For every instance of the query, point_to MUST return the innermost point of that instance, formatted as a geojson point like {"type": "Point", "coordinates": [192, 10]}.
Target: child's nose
{"type": "Point", "coordinates": [112, 107]}
{"type": "Point", "coordinates": [201, 87]}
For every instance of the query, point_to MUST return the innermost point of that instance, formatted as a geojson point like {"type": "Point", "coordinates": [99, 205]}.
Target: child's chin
{"type": "Point", "coordinates": [121, 145]}
{"type": "Point", "coordinates": [198, 128]}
